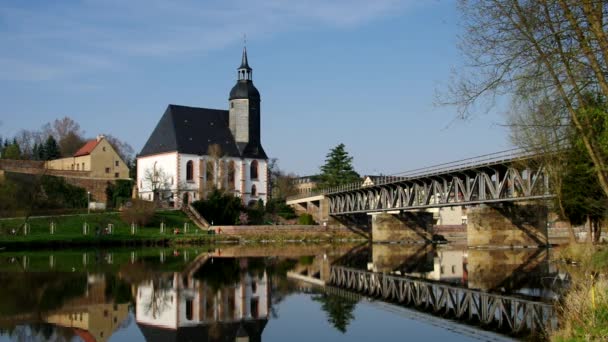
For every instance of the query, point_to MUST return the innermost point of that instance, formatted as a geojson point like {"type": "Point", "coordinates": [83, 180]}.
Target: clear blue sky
{"type": "Point", "coordinates": [360, 72]}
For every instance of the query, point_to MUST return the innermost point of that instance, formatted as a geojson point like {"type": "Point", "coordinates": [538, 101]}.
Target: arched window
{"type": "Point", "coordinates": [254, 170]}
{"type": "Point", "coordinates": [189, 171]}
{"type": "Point", "coordinates": [231, 175]}
{"type": "Point", "coordinates": [210, 172]}
{"type": "Point", "coordinates": [189, 309]}
{"type": "Point", "coordinates": [254, 191]}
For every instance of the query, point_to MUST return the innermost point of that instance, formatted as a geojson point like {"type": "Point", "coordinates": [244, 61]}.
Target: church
{"type": "Point", "coordinates": [194, 150]}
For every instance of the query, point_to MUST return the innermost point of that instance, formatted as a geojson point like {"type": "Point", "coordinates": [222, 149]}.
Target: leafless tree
{"type": "Point", "coordinates": [550, 50]}
{"type": "Point", "coordinates": [157, 181]}
{"type": "Point", "coordinates": [124, 149]}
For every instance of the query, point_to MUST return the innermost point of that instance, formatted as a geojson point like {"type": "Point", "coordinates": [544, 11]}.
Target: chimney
{"type": "Point", "coordinates": [99, 137]}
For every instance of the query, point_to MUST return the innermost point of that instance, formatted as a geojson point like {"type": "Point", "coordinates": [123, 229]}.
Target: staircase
{"type": "Point", "coordinates": [195, 217]}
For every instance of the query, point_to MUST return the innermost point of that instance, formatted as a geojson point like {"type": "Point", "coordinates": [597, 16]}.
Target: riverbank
{"type": "Point", "coordinates": [584, 308]}
{"type": "Point", "coordinates": [108, 230]}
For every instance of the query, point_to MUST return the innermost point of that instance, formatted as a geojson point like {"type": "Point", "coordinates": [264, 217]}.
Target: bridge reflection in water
{"type": "Point", "coordinates": [506, 290]}
{"type": "Point", "coordinates": [450, 301]}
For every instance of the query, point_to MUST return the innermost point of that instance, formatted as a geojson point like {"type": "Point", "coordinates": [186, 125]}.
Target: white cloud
{"type": "Point", "coordinates": [62, 40]}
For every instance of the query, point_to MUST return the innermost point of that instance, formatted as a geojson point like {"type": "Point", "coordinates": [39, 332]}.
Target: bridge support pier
{"type": "Point", "coordinates": [409, 227]}
{"type": "Point", "coordinates": [507, 225]}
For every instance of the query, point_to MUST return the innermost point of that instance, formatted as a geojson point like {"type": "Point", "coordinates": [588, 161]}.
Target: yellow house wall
{"type": "Point", "coordinates": [104, 156]}
{"type": "Point", "coordinates": [82, 163]}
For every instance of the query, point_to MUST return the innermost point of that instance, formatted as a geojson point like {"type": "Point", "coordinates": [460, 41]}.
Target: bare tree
{"type": "Point", "coordinates": [218, 166]}
{"type": "Point", "coordinates": [124, 149]}
{"type": "Point", "coordinates": [555, 50]}
{"type": "Point", "coordinates": [157, 181]}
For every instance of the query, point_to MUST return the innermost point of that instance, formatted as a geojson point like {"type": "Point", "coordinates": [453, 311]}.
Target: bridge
{"type": "Point", "coordinates": [495, 188]}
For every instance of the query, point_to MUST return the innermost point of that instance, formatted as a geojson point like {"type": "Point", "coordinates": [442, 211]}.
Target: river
{"type": "Point", "coordinates": [294, 292]}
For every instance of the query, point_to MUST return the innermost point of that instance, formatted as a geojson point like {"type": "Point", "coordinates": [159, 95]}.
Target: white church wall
{"type": "Point", "coordinates": [159, 315]}
{"type": "Point", "coordinates": [261, 183]}
{"type": "Point", "coordinates": [167, 162]}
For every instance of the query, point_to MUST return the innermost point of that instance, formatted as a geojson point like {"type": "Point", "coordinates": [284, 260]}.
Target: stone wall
{"type": "Point", "coordinates": [507, 225]}
{"type": "Point", "coordinates": [409, 227]}
{"type": "Point", "coordinates": [96, 186]}
{"type": "Point", "coordinates": [270, 232]}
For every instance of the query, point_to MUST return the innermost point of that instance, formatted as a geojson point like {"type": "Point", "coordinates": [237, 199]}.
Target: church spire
{"type": "Point", "coordinates": [244, 71]}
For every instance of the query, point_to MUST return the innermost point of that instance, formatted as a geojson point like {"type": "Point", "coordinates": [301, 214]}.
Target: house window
{"type": "Point", "coordinates": [253, 172]}
{"type": "Point", "coordinates": [82, 166]}
{"type": "Point", "coordinates": [115, 174]}
{"type": "Point", "coordinates": [103, 148]}
{"type": "Point", "coordinates": [116, 163]}
{"type": "Point", "coordinates": [77, 167]}
{"type": "Point", "coordinates": [189, 171]}
{"type": "Point", "coordinates": [107, 170]}
{"type": "Point", "coordinates": [254, 191]}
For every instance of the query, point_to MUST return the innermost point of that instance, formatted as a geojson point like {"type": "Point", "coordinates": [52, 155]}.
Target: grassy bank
{"type": "Point", "coordinates": [584, 310]}
{"type": "Point", "coordinates": [68, 231]}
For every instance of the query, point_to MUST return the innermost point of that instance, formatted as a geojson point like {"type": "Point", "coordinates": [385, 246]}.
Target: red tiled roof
{"type": "Point", "coordinates": [85, 335]}
{"type": "Point", "coordinates": [87, 148]}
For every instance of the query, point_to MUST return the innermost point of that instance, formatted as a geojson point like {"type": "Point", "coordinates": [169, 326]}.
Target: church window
{"type": "Point", "coordinates": [231, 104]}
{"type": "Point", "coordinates": [231, 175]}
{"type": "Point", "coordinates": [254, 170]}
{"type": "Point", "coordinates": [107, 170]}
{"type": "Point", "coordinates": [116, 163]}
{"type": "Point", "coordinates": [254, 191]}
{"type": "Point", "coordinates": [209, 171]}
{"type": "Point", "coordinates": [189, 309]}
{"type": "Point", "coordinates": [189, 171]}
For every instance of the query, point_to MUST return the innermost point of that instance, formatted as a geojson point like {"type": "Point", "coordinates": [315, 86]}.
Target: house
{"type": "Point", "coordinates": [97, 158]}
{"type": "Point", "coordinates": [193, 150]}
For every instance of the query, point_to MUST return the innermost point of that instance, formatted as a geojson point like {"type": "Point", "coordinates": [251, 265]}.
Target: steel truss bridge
{"type": "Point", "coordinates": [505, 312]}
{"type": "Point", "coordinates": [501, 177]}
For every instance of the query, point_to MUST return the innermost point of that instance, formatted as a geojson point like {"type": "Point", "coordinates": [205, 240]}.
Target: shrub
{"type": "Point", "coordinates": [139, 211]}
{"type": "Point", "coordinates": [219, 208]}
{"type": "Point", "coordinates": [306, 219]}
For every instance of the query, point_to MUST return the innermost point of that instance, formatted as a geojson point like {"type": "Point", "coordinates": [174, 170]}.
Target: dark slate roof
{"type": "Point", "coordinates": [244, 62]}
{"type": "Point", "coordinates": [244, 89]}
{"type": "Point", "coordinates": [192, 130]}
{"type": "Point", "coordinates": [217, 331]}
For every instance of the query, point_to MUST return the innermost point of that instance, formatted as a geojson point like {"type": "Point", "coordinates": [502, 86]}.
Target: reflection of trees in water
{"type": "Point", "coordinates": [159, 298]}
{"type": "Point", "coordinates": [40, 332]}
{"type": "Point", "coordinates": [38, 292]}
{"type": "Point", "coordinates": [339, 310]}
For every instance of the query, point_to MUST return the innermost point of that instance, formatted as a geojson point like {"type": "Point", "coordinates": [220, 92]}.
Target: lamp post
{"type": "Point", "coordinates": [88, 202]}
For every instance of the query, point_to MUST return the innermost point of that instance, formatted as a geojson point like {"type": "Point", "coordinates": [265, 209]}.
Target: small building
{"type": "Point", "coordinates": [97, 158]}
{"type": "Point", "coordinates": [305, 184]}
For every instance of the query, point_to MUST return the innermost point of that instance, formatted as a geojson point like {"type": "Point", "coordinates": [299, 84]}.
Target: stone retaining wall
{"type": "Point", "coordinates": [271, 231]}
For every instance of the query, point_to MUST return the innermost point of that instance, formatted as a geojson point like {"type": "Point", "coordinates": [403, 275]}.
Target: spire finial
{"type": "Point", "coordinates": [244, 62]}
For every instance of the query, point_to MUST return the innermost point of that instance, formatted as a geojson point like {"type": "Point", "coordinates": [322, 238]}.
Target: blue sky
{"type": "Point", "coordinates": [360, 72]}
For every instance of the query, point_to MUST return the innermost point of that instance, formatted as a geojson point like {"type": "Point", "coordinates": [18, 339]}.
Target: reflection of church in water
{"type": "Point", "coordinates": [181, 307]}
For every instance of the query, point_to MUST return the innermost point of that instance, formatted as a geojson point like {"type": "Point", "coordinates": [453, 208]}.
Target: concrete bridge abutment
{"type": "Point", "coordinates": [507, 225]}
{"type": "Point", "coordinates": [408, 227]}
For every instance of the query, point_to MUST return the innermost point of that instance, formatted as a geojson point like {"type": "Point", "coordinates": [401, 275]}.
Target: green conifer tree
{"type": "Point", "coordinates": [338, 168]}
{"type": "Point", "coordinates": [51, 149]}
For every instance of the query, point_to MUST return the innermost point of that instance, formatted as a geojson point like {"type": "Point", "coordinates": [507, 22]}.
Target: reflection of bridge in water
{"type": "Point", "coordinates": [497, 289]}
{"type": "Point", "coordinates": [505, 312]}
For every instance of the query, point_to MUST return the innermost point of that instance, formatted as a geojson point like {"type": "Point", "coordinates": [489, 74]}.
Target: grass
{"type": "Point", "coordinates": [69, 231]}
{"type": "Point", "coordinates": [95, 260]}
{"type": "Point", "coordinates": [584, 309]}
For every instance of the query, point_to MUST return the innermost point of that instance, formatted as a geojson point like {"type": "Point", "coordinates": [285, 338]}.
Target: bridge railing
{"type": "Point", "coordinates": [468, 163]}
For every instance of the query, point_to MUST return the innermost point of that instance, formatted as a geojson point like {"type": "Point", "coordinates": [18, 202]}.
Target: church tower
{"type": "Point", "coordinates": [244, 111]}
